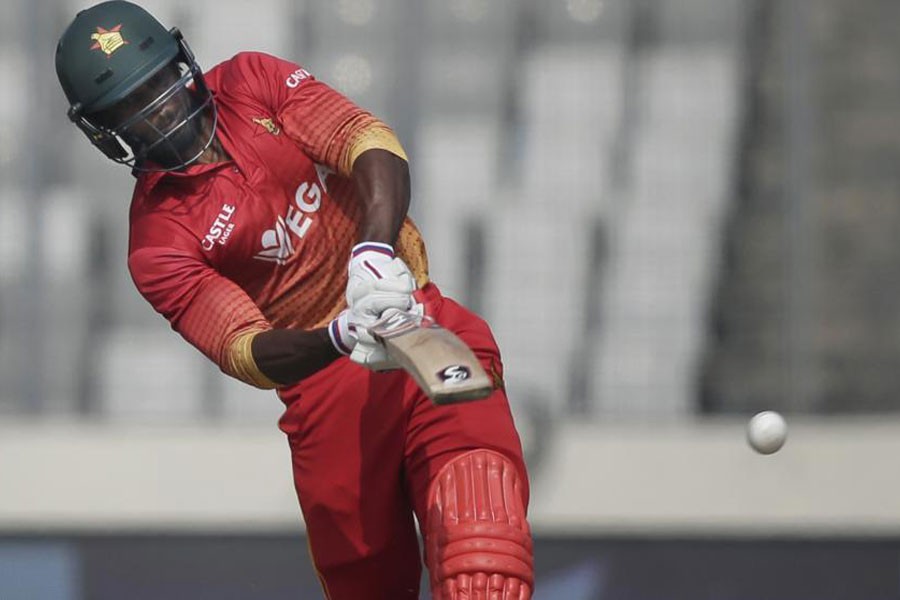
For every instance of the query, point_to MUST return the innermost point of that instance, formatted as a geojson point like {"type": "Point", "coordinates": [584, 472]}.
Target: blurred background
{"type": "Point", "coordinates": [674, 213]}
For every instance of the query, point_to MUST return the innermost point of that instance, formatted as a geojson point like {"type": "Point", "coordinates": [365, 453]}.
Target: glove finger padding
{"type": "Point", "coordinates": [372, 356]}
{"type": "Point", "coordinates": [372, 305]}
{"type": "Point", "coordinates": [378, 273]}
{"type": "Point", "coordinates": [363, 336]}
{"type": "Point", "coordinates": [365, 288]}
{"type": "Point", "coordinates": [370, 353]}
{"type": "Point", "coordinates": [369, 310]}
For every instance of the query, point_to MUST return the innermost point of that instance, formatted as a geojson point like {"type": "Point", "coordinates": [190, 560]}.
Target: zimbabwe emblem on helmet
{"type": "Point", "coordinates": [108, 40]}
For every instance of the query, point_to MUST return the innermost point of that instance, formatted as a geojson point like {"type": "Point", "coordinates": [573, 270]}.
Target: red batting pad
{"type": "Point", "coordinates": [478, 543]}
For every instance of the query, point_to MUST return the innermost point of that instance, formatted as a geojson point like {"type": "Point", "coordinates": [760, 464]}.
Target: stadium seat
{"type": "Point", "coordinates": [664, 241]}
{"type": "Point", "coordinates": [150, 376]}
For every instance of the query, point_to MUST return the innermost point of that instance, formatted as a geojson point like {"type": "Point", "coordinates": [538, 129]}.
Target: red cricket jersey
{"type": "Point", "coordinates": [263, 240]}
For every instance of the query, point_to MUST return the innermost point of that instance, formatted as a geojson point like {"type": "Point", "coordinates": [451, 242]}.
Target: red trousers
{"type": "Point", "coordinates": [365, 446]}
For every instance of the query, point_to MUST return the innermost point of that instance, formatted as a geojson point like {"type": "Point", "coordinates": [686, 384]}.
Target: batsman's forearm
{"type": "Point", "coordinates": [287, 355]}
{"type": "Point", "coordinates": [382, 185]}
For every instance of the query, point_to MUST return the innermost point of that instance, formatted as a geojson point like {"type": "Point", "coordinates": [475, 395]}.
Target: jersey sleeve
{"type": "Point", "coordinates": [211, 312]}
{"type": "Point", "coordinates": [327, 125]}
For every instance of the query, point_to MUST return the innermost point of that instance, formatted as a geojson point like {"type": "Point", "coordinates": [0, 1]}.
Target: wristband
{"type": "Point", "coordinates": [337, 339]}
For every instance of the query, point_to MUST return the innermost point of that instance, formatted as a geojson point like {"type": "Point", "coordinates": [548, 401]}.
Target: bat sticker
{"type": "Point", "coordinates": [455, 374]}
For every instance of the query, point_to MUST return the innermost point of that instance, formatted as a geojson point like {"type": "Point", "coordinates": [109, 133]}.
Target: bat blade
{"type": "Point", "coordinates": [443, 366]}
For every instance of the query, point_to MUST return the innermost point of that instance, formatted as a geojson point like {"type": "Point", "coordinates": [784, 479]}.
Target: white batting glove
{"type": "Point", "coordinates": [373, 357]}
{"type": "Point", "coordinates": [377, 281]}
{"type": "Point", "coordinates": [344, 330]}
{"type": "Point", "coordinates": [368, 352]}
{"type": "Point", "coordinates": [364, 313]}
{"type": "Point", "coordinates": [374, 268]}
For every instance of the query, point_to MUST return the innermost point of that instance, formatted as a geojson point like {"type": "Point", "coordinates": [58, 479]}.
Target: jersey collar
{"type": "Point", "coordinates": [149, 180]}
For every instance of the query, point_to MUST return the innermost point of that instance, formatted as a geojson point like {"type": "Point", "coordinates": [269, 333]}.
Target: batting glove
{"type": "Point", "coordinates": [345, 331]}
{"type": "Point", "coordinates": [367, 311]}
{"type": "Point", "coordinates": [368, 352]}
{"type": "Point", "coordinates": [373, 357]}
{"type": "Point", "coordinates": [373, 268]}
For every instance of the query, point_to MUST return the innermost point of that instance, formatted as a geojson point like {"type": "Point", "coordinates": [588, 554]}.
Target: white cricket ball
{"type": "Point", "coordinates": [767, 432]}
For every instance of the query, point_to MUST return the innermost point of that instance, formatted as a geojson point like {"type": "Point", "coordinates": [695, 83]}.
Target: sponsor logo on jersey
{"type": "Point", "coordinates": [296, 78]}
{"type": "Point", "coordinates": [268, 124]}
{"type": "Point", "coordinates": [108, 40]}
{"type": "Point", "coordinates": [277, 244]}
{"type": "Point", "coordinates": [221, 229]}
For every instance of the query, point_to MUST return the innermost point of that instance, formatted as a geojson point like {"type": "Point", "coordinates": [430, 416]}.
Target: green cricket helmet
{"type": "Point", "coordinates": [134, 88]}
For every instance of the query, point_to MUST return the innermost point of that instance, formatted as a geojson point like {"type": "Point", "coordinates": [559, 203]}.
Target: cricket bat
{"type": "Point", "coordinates": [441, 364]}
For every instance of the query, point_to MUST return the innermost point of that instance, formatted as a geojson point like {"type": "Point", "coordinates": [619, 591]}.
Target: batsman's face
{"type": "Point", "coordinates": [159, 120]}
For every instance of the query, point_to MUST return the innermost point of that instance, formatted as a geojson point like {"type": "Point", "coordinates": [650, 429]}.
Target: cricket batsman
{"type": "Point", "coordinates": [269, 226]}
